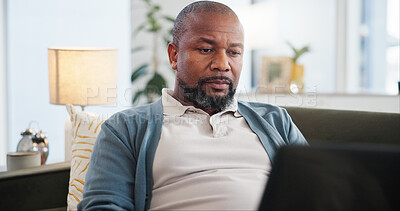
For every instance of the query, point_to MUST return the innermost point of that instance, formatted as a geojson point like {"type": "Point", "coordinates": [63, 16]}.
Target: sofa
{"type": "Point", "coordinates": [47, 188]}
{"type": "Point", "coordinates": [324, 126]}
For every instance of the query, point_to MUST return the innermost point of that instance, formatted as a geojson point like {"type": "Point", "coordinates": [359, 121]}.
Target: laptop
{"type": "Point", "coordinates": [334, 177]}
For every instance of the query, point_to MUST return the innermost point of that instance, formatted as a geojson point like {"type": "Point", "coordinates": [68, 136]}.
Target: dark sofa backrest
{"type": "Point", "coordinates": [324, 125]}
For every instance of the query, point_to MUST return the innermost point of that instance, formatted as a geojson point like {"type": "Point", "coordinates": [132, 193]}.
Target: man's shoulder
{"type": "Point", "coordinates": [262, 108]}
{"type": "Point", "coordinates": [143, 112]}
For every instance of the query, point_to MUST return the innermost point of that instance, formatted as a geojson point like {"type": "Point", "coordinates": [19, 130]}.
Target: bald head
{"type": "Point", "coordinates": [199, 7]}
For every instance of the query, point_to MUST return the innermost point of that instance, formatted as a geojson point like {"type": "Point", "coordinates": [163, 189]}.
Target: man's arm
{"type": "Point", "coordinates": [110, 178]}
{"type": "Point", "coordinates": [294, 136]}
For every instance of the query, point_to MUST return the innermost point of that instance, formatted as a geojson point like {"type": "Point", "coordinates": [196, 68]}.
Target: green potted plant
{"type": "Point", "coordinates": [296, 80]}
{"type": "Point", "coordinates": [159, 26]}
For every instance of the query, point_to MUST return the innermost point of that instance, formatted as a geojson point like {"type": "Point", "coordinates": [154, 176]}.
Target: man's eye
{"type": "Point", "coordinates": [235, 53]}
{"type": "Point", "coordinates": [204, 50]}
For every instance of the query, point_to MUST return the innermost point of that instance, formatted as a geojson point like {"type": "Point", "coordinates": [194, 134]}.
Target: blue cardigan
{"type": "Point", "coordinates": [120, 171]}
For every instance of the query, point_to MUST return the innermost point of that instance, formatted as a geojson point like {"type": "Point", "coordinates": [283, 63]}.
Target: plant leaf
{"type": "Point", "coordinates": [166, 40]}
{"type": "Point", "coordinates": [171, 32]}
{"type": "Point", "coordinates": [139, 28]}
{"type": "Point", "coordinates": [155, 84]}
{"type": "Point", "coordinates": [168, 18]}
{"type": "Point", "coordinates": [291, 46]}
{"type": "Point", "coordinates": [154, 25]}
{"type": "Point", "coordinates": [140, 71]}
{"type": "Point", "coordinates": [150, 15]}
{"type": "Point", "coordinates": [137, 96]}
{"type": "Point", "coordinates": [303, 50]}
{"type": "Point", "coordinates": [297, 52]}
{"type": "Point", "coordinates": [148, 3]}
{"type": "Point", "coordinates": [138, 48]}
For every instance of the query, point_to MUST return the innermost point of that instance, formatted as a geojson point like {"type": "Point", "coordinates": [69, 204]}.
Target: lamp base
{"type": "Point", "coordinates": [68, 138]}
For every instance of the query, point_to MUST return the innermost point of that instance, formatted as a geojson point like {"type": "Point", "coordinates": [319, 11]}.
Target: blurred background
{"type": "Point", "coordinates": [353, 58]}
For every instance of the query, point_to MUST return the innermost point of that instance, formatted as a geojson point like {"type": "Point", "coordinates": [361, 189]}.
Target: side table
{"type": "Point", "coordinates": [36, 188]}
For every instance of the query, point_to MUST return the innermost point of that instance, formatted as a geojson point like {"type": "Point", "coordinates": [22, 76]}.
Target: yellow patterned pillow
{"type": "Point", "coordinates": [85, 128]}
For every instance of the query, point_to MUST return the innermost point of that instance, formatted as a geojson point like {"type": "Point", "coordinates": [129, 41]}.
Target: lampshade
{"type": "Point", "coordinates": [82, 76]}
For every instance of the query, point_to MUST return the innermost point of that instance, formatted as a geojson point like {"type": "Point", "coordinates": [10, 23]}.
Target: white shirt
{"type": "Point", "coordinates": [203, 162]}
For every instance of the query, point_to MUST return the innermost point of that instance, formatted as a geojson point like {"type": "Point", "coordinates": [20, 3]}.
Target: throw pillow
{"type": "Point", "coordinates": [85, 128]}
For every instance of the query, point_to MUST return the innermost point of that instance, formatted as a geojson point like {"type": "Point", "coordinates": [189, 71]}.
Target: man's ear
{"type": "Point", "coordinates": [173, 55]}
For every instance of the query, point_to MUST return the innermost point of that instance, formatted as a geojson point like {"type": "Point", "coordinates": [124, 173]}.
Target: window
{"type": "Point", "coordinates": [354, 43]}
{"type": "Point", "coordinates": [379, 46]}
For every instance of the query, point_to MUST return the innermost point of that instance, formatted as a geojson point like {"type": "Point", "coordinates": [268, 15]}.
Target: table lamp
{"type": "Point", "coordinates": [82, 77]}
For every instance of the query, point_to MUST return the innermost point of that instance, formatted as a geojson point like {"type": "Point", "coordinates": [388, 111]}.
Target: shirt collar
{"type": "Point", "coordinates": [171, 106]}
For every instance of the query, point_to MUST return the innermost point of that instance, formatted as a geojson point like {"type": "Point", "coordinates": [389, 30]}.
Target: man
{"type": "Point", "coordinates": [197, 147]}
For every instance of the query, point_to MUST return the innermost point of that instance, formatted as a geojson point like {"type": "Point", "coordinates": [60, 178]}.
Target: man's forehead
{"type": "Point", "coordinates": [199, 17]}
{"type": "Point", "coordinates": [214, 23]}
{"type": "Point", "coordinates": [212, 41]}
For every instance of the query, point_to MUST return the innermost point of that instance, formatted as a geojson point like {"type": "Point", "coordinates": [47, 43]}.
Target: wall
{"type": "Point", "coordinates": [3, 85]}
{"type": "Point", "coordinates": [312, 23]}
{"type": "Point", "coordinates": [32, 27]}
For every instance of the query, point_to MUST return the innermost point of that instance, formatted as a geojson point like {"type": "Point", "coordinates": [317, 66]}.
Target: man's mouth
{"type": "Point", "coordinates": [218, 84]}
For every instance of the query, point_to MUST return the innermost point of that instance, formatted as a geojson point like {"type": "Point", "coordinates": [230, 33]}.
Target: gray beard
{"type": "Point", "coordinates": [201, 100]}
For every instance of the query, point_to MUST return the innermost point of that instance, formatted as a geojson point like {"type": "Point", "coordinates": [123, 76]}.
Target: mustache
{"type": "Point", "coordinates": [212, 78]}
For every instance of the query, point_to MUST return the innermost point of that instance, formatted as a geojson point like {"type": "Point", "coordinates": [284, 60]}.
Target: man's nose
{"type": "Point", "coordinates": [220, 62]}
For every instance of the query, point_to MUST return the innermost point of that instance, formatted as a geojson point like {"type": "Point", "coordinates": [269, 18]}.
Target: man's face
{"type": "Point", "coordinates": [210, 51]}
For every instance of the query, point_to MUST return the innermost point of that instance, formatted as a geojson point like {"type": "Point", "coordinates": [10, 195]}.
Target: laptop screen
{"type": "Point", "coordinates": [334, 177]}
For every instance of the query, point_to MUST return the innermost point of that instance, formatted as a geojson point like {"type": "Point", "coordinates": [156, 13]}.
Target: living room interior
{"type": "Point", "coordinates": [350, 70]}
